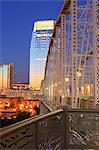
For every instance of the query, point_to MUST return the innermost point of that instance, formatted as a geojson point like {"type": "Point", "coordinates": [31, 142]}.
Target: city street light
{"type": "Point", "coordinates": [78, 74]}
{"type": "Point", "coordinates": [52, 86]}
{"type": "Point", "coordinates": [66, 79]}
{"type": "Point", "coordinates": [55, 84]}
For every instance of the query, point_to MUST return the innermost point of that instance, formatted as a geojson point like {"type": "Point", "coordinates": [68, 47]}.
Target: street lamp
{"type": "Point", "coordinates": [52, 86]}
{"type": "Point", "coordinates": [55, 84]}
{"type": "Point", "coordinates": [78, 74]}
{"type": "Point", "coordinates": [66, 79]}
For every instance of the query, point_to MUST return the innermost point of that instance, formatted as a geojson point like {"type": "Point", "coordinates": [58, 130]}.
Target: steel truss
{"type": "Point", "coordinates": [72, 66]}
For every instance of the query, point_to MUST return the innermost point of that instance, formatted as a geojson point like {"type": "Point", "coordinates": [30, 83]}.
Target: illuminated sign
{"type": "Point", "coordinates": [44, 25]}
{"type": "Point", "coordinates": [40, 59]}
{"type": "Point", "coordinates": [43, 35]}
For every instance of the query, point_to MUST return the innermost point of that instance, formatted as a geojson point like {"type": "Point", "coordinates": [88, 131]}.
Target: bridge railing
{"type": "Point", "coordinates": [82, 129]}
{"type": "Point", "coordinates": [61, 129]}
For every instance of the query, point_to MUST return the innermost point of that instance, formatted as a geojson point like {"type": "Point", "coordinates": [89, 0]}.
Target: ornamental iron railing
{"type": "Point", "coordinates": [61, 129]}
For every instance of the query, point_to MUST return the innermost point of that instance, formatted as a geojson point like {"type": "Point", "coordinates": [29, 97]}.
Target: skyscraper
{"type": "Point", "coordinates": [6, 76]}
{"type": "Point", "coordinates": [41, 35]}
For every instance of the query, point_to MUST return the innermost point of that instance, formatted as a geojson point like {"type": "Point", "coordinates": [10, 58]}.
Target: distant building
{"type": "Point", "coordinates": [6, 76]}
{"type": "Point", "coordinates": [41, 35]}
{"type": "Point", "coordinates": [21, 86]}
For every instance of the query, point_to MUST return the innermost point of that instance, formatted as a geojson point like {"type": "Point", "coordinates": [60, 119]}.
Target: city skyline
{"type": "Point", "coordinates": [17, 20]}
{"type": "Point", "coordinates": [68, 99]}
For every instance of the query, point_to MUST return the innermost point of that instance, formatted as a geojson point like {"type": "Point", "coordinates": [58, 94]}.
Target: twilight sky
{"type": "Point", "coordinates": [16, 23]}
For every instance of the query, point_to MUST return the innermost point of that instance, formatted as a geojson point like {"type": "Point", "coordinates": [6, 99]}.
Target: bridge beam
{"type": "Point", "coordinates": [73, 49]}
{"type": "Point", "coordinates": [63, 54]}
{"type": "Point", "coordinates": [96, 51]}
{"type": "Point", "coordinates": [74, 52]}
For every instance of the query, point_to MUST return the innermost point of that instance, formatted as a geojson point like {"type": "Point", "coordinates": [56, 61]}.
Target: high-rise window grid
{"type": "Point", "coordinates": [38, 51]}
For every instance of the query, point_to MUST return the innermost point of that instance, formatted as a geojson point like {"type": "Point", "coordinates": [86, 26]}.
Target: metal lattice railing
{"type": "Point", "coordinates": [61, 129]}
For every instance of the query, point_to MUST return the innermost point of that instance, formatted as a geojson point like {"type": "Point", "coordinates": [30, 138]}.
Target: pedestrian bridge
{"type": "Point", "coordinates": [60, 129]}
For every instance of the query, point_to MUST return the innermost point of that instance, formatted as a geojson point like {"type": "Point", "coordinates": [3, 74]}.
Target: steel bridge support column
{"type": "Point", "coordinates": [74, 52]}
{"type": "Point", "coordinates": [51, 74]}
{"type": "Point", "coordinates": [54, 73]}
{"type": "Point", "coordinates": [63, 53]}
{"type": "Point", "coordinates": [56, 62]}
{"type": "Point", "coordinates": [52, 51]}
{"type": "Point", "coordinates": [96, 51]}
{"type": "Point", "coordinates": [59, 66]}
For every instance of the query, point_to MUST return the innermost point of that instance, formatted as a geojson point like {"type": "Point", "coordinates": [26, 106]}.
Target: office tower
{"type": "Point", "coordinates": [6, 76]}
{"type": "Point", "coordinates": [41, 35]}
{"type": "Point", "coordinates": [0, 77]}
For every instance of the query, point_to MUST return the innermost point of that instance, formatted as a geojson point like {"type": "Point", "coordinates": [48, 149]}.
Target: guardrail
{"type": "Point", "coordinates": [61, 129]}
{"type": "Point", "coordinates": [46, 106]}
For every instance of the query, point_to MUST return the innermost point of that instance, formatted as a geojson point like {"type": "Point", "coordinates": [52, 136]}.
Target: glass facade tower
{"type": "Point", "coordinates": [6, 76]}
{"type": "Point", "coordinates": [41, 35]}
